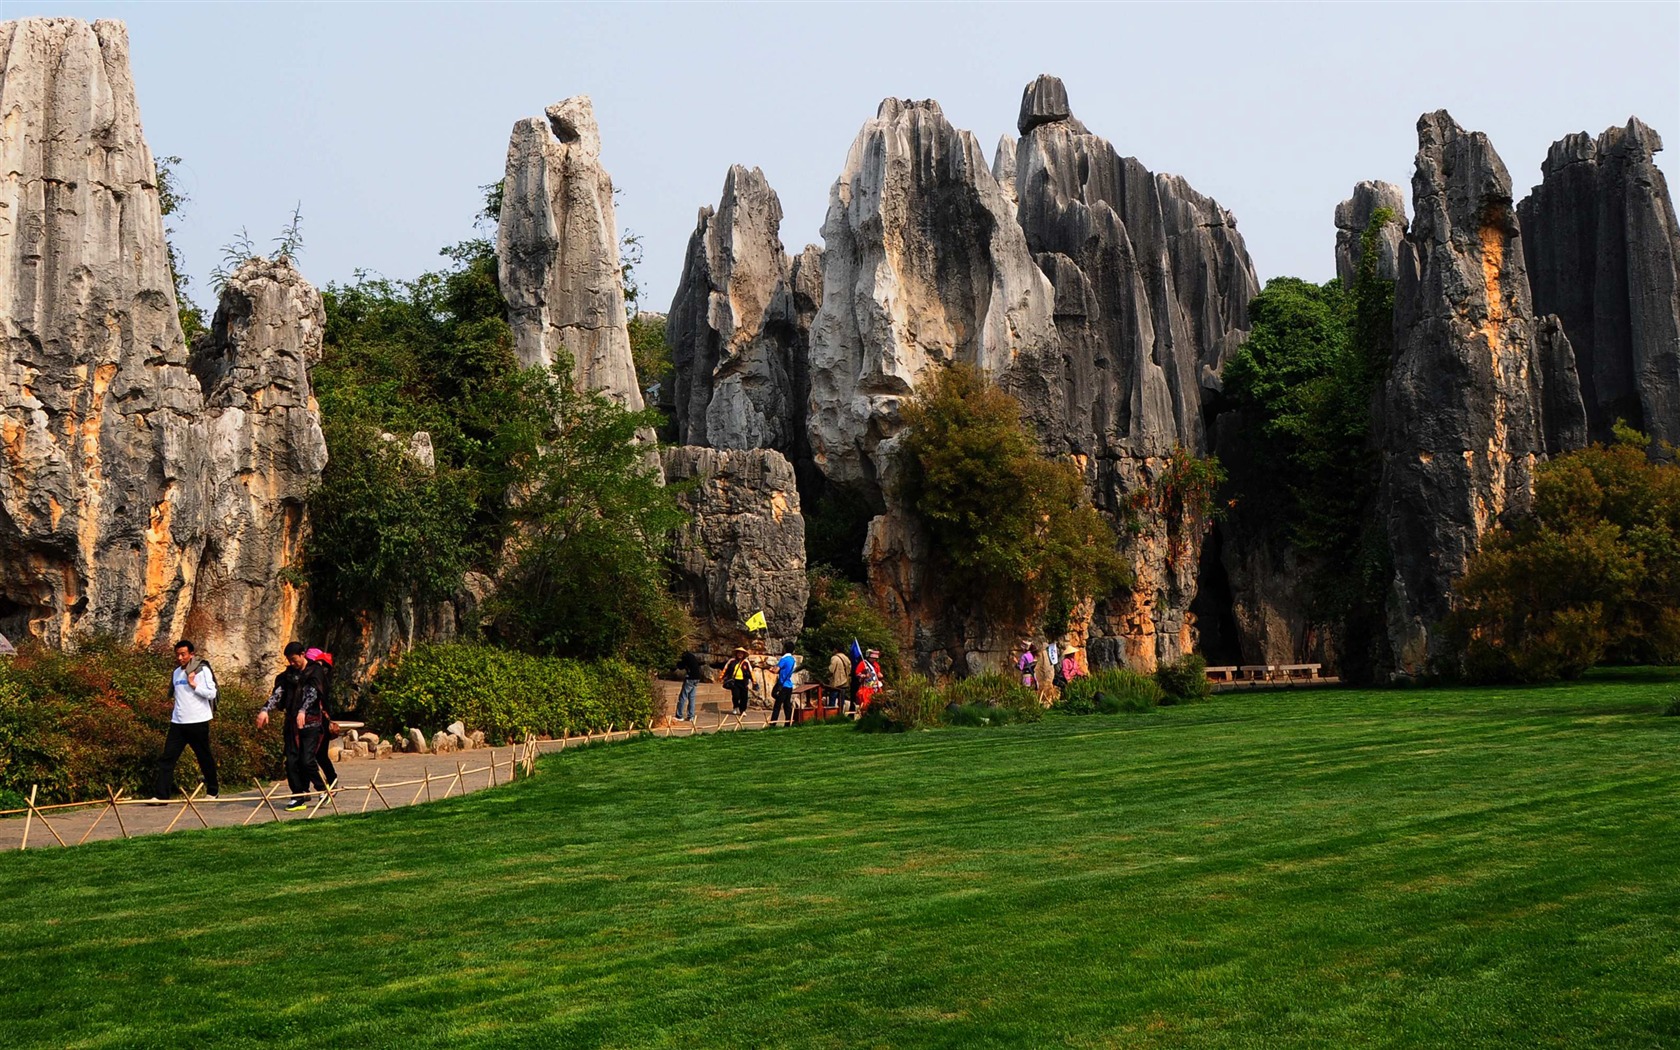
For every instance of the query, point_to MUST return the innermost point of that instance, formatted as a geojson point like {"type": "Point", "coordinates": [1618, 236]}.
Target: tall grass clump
{"type": "Point", "coordinates": [1110, 691]}
{"type": "Point", "coordinates": [1184, 679]}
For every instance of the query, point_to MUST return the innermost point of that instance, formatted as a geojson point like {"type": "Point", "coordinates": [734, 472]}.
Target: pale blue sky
{"type": "Point", "coordinates": [384, 119]}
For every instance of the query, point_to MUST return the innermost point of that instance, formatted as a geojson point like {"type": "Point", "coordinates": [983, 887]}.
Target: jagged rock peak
{"type": "Point", "coordinates": [1462, 419]}
{"type": "Point", "coordinates": [1604, 252]}
{"type": "Point", "coordinates": [1044, 101]}
{"type": "Point", "coordinates": [557, 252]}
{"type": "Point", "coordinates": [1354, 215]}
{"type": "Point", "coordinates": [923, 265]}
{"type": "Point", "coordinates": [100, 477]}
{"type": "Point", "coordinates": [737, 339]}
{"type": "Point", "coordinates": [1003, 164]}
{"type": "Point", "coordinates": [267, 453]}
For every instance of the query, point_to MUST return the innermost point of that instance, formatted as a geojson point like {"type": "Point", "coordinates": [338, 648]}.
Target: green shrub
{"type": "Point", "coordinates": [1672, 709]}
{"type": "Point", "coordinates": [1110, 691]}
{"type": "Point", "coordinates": [993, 692]}
{"type": "Point", "coordinates": [1184, 679]}
{"type": "Point", "coordinates": [838, 612]}
{"type": "Point", "coordinates": [982, 715]}
{"type": "Point", "coordinates": [506, 693]}
{"type": "Point", "coordinates": [75, 723]}
{"type": "Point", "coordinates": [914, 703]}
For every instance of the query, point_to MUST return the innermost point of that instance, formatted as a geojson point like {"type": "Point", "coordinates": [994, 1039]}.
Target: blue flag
{"type": "Point", "coordinates": [857, 652]}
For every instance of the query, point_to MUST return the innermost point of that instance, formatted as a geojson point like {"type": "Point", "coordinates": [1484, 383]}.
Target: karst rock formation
{"type": "Point", "coordinates": [266, 453]}
{"type": "Point", "coordinates": [739, 324]}
{"type": "Point", "coordinates": [1354, 215]}
{"type": "Point", "coordinates": [557, 252]}
{"type": "Point", "coordinates": [1152, 283]}
{"type": "Point", "coordinates": [1604, 256]}
{"type": "Point", "coordinates": [1462, 421]}
{"type": "Point", "coordinates": [144, 492]}
{"type": "Point", "coordinates": [743, 551]}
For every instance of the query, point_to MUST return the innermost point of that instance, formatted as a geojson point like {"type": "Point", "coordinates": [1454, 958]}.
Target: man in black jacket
{"type": "Point", "coordinates": [297, 690]}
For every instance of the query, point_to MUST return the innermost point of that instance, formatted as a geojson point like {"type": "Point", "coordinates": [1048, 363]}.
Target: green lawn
{"type": "Point", "coordinates": [1457, 868]}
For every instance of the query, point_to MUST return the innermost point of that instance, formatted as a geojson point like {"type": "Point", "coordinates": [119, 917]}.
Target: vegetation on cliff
{"type": "Point", "coordinates": [1013, 526]}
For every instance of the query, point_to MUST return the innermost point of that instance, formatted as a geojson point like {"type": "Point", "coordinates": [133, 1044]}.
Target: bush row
{"type": "Point", "coordinates": [1115, 689]}
{"type": "Point", "coordinates": [507, 694]}
{"type": "Point", "coordinates": [75, 723]}
{"type": "Point", "coordinates": [985, 699]}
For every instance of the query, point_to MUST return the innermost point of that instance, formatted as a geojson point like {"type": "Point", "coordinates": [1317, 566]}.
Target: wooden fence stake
{"type": "Point", "coordinates": [424, 788]}
{"type": "Point", "coordinates": [332, 790]}
{"type": "Point", "coordinates": [116, 800]}
{"type": "Point", "coordinates": [95, 824]}
{"type": "Point", "coordinates": [452, 783]}
{"type": "Point", "coordinates": [326, 797]}
{"type": "Point", "coordinates": [375, 786]}
{"type": "Point", "coordinates": [28, 819]}
{"type": "Point", "coordinates": [492, 767]}
{"type": "Point", "coordinates": [367, 798]}
{"type": "Point", "coordinates": [194, 808]}
{"type": "Point", "coordinates": [269, 800]}
{"type": "Point", "coordinates": [178, 816]}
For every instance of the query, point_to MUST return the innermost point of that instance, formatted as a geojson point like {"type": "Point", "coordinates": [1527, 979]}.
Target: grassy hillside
{"type": "Point", "coordinates": [1427, 868]}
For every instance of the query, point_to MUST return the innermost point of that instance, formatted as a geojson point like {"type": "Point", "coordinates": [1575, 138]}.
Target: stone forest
{"type": "Point", "coordinates": [156, 486]}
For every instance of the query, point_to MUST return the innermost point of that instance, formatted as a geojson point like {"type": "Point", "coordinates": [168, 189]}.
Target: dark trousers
{"type": "Point", "coordinates": [301, 745]}
{"type": "Point", "coordinates": [325, 775]}
{"type": "Point", "coordinates": [195, 735]}
{"type": "Point", "coordinates": [738, 698]}
{"type": "Point", "coordinates": [784, 701]}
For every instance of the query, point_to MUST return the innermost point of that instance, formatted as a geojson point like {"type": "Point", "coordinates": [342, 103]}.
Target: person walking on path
{"type": "Point", "coordinates": [689, 665]}
{"type": "Point", "coordinates": [870, 679]}
{"type": "Point", "coordinates": [297, 693]}
{"type": "Point", "coordinates": [783, 689]}
{"type": "Point", "coordinates": [193, 690]}
{"type": "Point", "coordinates": [736, 679]}
{"type": "Point", "coordinates": [326, 774]}
{"type": "Point", "coordinates": [839, 677]}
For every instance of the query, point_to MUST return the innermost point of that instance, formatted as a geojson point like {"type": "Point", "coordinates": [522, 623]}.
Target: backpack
{"type": "Point", "coordinates": [1060, 681]}
{"type": "Point", "coordinates": [196, 664]}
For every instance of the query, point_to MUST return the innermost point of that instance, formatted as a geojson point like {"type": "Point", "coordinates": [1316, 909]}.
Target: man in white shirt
{"type": "Point", "coordinates": [194, 690]}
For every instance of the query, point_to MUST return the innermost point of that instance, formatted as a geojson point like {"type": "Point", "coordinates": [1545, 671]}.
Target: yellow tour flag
{"type": "Point", "coordinates": [755, 622]}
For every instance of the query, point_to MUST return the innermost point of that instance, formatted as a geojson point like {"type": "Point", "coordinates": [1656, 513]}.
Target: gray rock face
{"type": "Point", "coordinates": [1604, 255]}
{"type": "Point", "coordinates": [101, 481]}
{"type": "Point", "coordinates": [744, 550]}
{"type": "Point", "coordinates": [1354, 214]}
{"type": "Point", "coordinates": [1462, 415]}
{"type": "Point", "coordinates": [1152, 283]}
{"type": "Point", "coordinates": [923, 266]}
{"type": "Point", "coordinates": [557, 252]}
{"type": "Point", "coordinates": [735, 328]}
{"type": "Point", "coordinates": [266, 454]}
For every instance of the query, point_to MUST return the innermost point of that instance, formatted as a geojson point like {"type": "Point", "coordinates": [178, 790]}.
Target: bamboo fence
{"type": "Point", "coordinates": [521, 763]}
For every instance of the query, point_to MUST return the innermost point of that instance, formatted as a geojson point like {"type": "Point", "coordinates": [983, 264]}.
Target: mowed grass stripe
{"type": "Point", "coordinates": [1471, 867]}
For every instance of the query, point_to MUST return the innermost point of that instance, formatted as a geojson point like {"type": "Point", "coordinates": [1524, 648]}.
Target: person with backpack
{"type": "Point", "coordinates": [689, 664]}
{"type": "Point", "coordinates": [192, 691]}
{"type": "Point", "coordinates": [321, 666]}
{"type": "Point", "coordinates": [297, 693]}
{"type": "Point", "coordinates": [783, 690]}
{"type": "Point", "coordinates": [839, 678]}
{"type": "Point", "coordinates": [870, 679]}
{"type": "Point", "coordinates": [737, 678]}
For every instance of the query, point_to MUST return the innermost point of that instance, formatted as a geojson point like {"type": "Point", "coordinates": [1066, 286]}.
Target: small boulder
{"type": "Point", "coordinates": [476, 738]}
{"type": "Point", "coordinates": [382, 749]}
{"type": "Point", "coordinates": [371, 738]}
{"type": "Point", "coordinates": [442, 743]}
{"type": "Point", "coordinates": [456, 729]}
{"type": "Point", "coordinates": [417, 742]}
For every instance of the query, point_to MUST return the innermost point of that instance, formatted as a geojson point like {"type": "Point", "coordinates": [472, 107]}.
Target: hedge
{"type": "Point", "coordinates": [508, 694]}
{"type": "Point", "coordinates": [77, 722]}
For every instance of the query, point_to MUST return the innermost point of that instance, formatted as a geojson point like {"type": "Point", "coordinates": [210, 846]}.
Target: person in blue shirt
{"type": "Point", "coordinates": [783, 693]}
{"type": "Point", "coordinates": [192, 688]}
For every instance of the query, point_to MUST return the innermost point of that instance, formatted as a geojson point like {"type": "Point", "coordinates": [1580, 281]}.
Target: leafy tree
{"type": "Point", "coordinates": [839, 612]}
{"type": "Point", "coordinates": [1014, 527]}
{"type": "Point", "coordinates": [171, 199]}
{"type": "Point", "coordinates": [1592, 575]}
{"type": "Point", "coordinates": [585, 573]}
{"type": "Point", "coordinates": [648, 350]}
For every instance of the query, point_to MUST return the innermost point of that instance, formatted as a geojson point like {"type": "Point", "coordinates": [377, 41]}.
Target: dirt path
{"type": "Point", "coordinates": [401, 781]}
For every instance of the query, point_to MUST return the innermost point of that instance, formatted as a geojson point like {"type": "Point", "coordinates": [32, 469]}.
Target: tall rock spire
{"type": "Point", "coordinates": [1604, 255]}
{"type": "Point", "coordinates": [557, 252]}
{"type": "Point", "coordinates": [100, 477]}
{"type": "Point", "coordinates": [1463, 413]}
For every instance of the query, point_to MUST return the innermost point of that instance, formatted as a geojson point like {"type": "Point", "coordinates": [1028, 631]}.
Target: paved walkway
{"type": "Point", "coordinates": [402, 780]}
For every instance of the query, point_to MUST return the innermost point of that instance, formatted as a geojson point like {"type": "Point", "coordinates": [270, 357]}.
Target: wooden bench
{"type": "Point", "coordinates": [1300, 671]}
{"type": "Point", "coordinates": [1221, 674]}
{"type": "Point", "coordinates": [1255, 672]}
